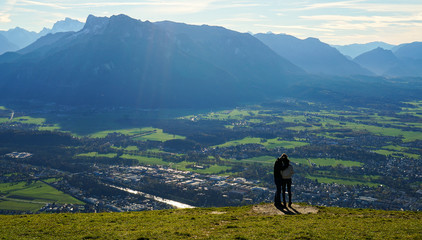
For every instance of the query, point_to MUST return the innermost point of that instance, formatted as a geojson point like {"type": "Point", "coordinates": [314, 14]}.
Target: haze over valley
{"type": "Point", "coordinates": [120, 114]}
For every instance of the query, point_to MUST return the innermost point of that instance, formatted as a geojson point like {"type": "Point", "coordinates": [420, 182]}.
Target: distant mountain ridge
{"type": "Point", "coordinates": [20, 38]}
{"type": "Point", "coordinates": [123, 61]}
{"type": "Point", "coordinates": [356, 49]}
{"type": "Point", "coordinates": [6, 45]}
{"type": "Point", "coordinates": [378, 60]}
{"type": "Point", "coordinates": [312, 55]}
{"type": "Point", "coordinates": [404, 60]}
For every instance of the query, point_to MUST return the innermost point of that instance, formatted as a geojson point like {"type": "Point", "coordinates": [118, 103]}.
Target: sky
{"type": "Point", "coordinates": [333, 22]}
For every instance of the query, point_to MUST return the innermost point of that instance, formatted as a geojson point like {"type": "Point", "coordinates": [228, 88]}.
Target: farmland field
{"type": "Point", "coordinates": [25, 196]}
{"type": "Point", "coordinates": [392, 134]}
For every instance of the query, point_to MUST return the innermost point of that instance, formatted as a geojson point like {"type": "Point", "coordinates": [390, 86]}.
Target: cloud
{"type": "Point", "coordinates": [238, 5]}
{"type": "Point", "coordinates": [294, 27]}
{"type": "Point", "coordinates": [5, 18]}
{"type": "Point", "coordinates": [341, 22]}
{"type": "Point", "coordinates": [363, 5]}
{"type": "Point", "coordinates": [342, 4]}
{"type": "Point", "coordinates": [43, 4]}
{"type": "Point", "coordinates": [238, 19]}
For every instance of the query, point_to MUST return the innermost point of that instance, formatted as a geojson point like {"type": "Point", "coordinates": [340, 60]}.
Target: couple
{"type": "Point", "coordinates": [283, 172]}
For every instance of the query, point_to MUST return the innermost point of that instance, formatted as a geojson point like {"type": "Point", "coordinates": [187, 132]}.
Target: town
{"type": "Point", "coordinates": [226, 159]}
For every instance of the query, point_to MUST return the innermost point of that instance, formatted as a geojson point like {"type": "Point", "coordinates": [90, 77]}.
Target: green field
{"type": "Point", "coordinates": [246, 222]}
{"type": "Point", "coordinates": [322, 120]}
{"type": "Point", "coordinates": [327, 162]}
{"type": "Point", "coordinates": [341, 181]}
{"type": "Point", "coordinates": [308, 161]}
{"type": "Point", "coordinates": [145, 160]}
{"type": "Point", "coordinates": [95, 154]}
{"type": "Point", "coordinates": [268, 143]}
{"type": "Point", "coordinates": [261, 159]}
{"type": "Point", "coordinates": [334, 125]}
{"type": "Point", "coordinates": [24, 196]}
{"type": "Point", "coordinates": [212, 169]}
{"type": "Point", "coordinates": [142, 134]}
{"type": "Point", "coordinates": [4, 120]}
{"type": "Point", "coordinates": [86, 122]}
{"type": "Point", "coordinates": [29, 120]}
{"type": "Point", "coordinates": [397, 154]}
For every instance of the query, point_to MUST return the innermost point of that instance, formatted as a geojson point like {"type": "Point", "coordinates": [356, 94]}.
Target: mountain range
{"type": "Point", "coordinates": [123, 61]}
{"type": "Point", "coordinates": [312, 55]}
{"type": "Point", "coordinates": [18, 38]}
{"type": "Point", "coordinates": [402, 61]}
{"type": "Point", "coordinates": [356, 49]}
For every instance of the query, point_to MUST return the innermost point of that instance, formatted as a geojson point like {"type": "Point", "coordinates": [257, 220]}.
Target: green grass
{"type": "Point", "coordinates": [156, 134]}
{"type": "Point", "coordinates": [53, 127]}
{"type": "Point", "coordinates": [4, 120]}
{"type": "Point", "coordinates": [83, 122]}
{"type": "Point", "coordinates": [328, 162]}
{"type": "Point", "coordinates": [132, 148]}
{"type": "Point", "coordinates": [29, 120]}
{"type": "Point", "coordinates": [273, 143]}
{"type": "Point", "coordinates": [212, 169]}
{"type": "Point", "coordinates": [247, 140]}
{"type": "Point", "coordinates": [341, 181]}
{"type": "Point", "coordinates": [20, 205]}
{"type": "Point", "coordinates": [317, 161]}
{"type": "Point", "coordinates": [128, 132]}
{"type": "Point", "coordinates": [145, 160]}
{"type": "Point", "coordinates": [261, 159]}
{"type": "Point", "coordinates": [319, 122]}
{"type": "Point", "coordinates": [96, 154]}
{"type": "Point", "coordinates": [216, 223]}
{"type": "Point", "coordinates": [23, 196]}
{"type": "Point", "coordinates": [268, 143]}
{"type": "Point", "coordinates": [397, 153]}
{"type": "Point", "coordinates": [128, 148]}
{"type": "Point", "coordinates": [51, 180]}
{"type": "Point", "coordinates": [142, 134]}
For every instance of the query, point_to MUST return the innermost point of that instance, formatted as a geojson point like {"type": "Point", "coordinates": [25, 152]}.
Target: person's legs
{"type": "Point", "coordinates": [289, 190]}
{"type": "Point", "coordinates": [277, 197]}
{"type": "Point", "coordinates": [283, 186]}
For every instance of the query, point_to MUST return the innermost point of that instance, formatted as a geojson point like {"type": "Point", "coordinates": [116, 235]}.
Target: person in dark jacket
{"type": "Point", "coordinates": [278, 165]}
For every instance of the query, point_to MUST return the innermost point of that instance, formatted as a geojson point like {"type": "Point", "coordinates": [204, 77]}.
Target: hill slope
{"type": "Point", "coordinates": [249, 222]}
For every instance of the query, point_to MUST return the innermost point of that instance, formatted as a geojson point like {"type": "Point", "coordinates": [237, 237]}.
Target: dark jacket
{"type": "Point", "coordinates": [277, 170]}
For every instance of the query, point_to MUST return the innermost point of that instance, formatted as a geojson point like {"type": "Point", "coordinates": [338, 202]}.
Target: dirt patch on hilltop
{"type": "Point", "coordinates": [270, 209]}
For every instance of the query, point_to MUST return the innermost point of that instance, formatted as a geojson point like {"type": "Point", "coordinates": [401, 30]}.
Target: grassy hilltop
{"type": "Point", "coordinates": [249, 222]}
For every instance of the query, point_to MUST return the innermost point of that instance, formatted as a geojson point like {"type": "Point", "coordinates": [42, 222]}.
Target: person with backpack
{"type": "Point", "coordinates": [286, 179]}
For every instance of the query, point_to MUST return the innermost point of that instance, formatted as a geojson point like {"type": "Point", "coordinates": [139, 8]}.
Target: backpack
{"type": "Point", "coordinates": [287, 173]}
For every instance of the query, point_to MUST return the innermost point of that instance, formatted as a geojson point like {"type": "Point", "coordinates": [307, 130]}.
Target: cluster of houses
{"type": "Point", "coordinates": [238, 190]}
{"type": "Point", "coordinates": [20, 155]}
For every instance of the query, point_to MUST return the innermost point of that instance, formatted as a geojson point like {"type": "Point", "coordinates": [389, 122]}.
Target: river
{"type": "Point", "coordinates": [158, 199]}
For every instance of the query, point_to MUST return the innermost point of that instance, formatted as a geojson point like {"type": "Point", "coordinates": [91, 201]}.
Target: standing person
{"type": "Point", "coordinates": [286, 179]}
{"type": "Point", "coordinates": [277, 180]}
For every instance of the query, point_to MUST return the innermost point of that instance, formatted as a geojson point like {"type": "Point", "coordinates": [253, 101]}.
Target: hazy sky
{"type": "Point", "coordinates": [334, 22]}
